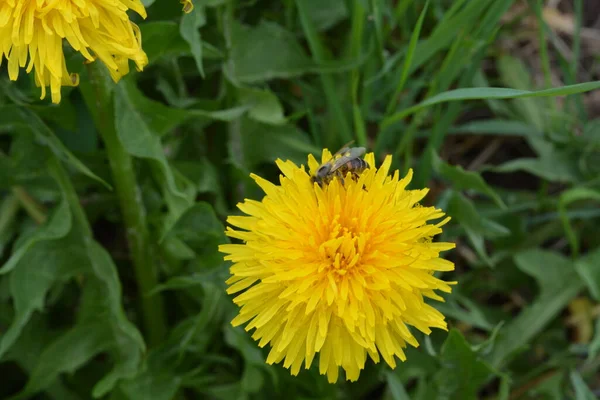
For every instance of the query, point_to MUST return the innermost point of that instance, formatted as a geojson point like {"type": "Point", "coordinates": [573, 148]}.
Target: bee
{"type": "Point", "coordinates": [347, 159]}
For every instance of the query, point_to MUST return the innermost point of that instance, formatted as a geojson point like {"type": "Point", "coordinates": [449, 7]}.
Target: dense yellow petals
{"type": "Point", "coordinates": [340, 271]}
{"type": "Point", "coordinates": [33, 32]}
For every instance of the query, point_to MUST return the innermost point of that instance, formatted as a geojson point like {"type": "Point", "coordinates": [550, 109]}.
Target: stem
{"type": "Point", "coordinates": [100, 102]}
{"type": "Point", "coordinates": [35, 210]}
{"type": "Point", "coordinates": [134, 216]}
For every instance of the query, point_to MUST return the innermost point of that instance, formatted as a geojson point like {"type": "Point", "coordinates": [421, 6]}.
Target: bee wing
{"type": "Point", "coordinates": [351, 154]}
{"type": "Point", "coordinates": [343, 150]}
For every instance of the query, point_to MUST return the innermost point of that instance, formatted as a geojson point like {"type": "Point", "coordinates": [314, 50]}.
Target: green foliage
{"type": "Point", "coordinates": [113, 203]}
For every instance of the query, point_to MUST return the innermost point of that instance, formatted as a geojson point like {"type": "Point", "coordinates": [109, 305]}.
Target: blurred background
{"type": "Point", "coordinates": [233, 86]}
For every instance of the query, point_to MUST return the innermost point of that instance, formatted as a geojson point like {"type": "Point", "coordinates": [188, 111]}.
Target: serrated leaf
{"type": "Point", "coordinates": [462, 179]}
{"type": "Point", "coordinates": [558, 282]}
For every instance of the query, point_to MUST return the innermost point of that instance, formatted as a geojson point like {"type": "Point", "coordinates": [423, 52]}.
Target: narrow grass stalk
{"type": "Point", "coordinates": [318, 52]}
{"type": "Point", "coordinates": [545, 60]}
{"type": "Point", "coordinates": [35, 210]}
{"type": "Point", "coordinates": [132, 209]}
{"type": "Point", "coordinates": [376, 13]}
{"type": "Point", "coordinates": [543, 45]}
{"type": "Point", "coordinates": [356, 40]}
{"type": "Point", "coordinates": [578, 99]}
{"type": "Point", "coordinates": [408, 60]}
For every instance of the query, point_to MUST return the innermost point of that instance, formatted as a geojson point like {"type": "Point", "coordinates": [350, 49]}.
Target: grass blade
{"type": "Point", "coordinates": [414, 38]}
{"type": "Point", "coordinates": [482, 93]}
{"type": "Point", "coordinates": [319, 54]}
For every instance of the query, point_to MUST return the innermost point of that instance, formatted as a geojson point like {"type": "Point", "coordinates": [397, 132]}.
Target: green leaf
{"type": "Point", "coordinates": [34, 338]}
{"type": "Point", "coordinates": [495, 127]}
{"type": "Point", "coordinates": [202, 231]}
{"type": "Point", "coordinates": [396, 387]}
{"type": "Point", "coordinates": [462, 373]}
{"type": "Point", "coordinates": [101, 322]}
{"type": "Point", "coordinates": [189, 29]}
{"type": "Point", "coordinates": [476, 227]}
{"type": "Point", "coordinates": [462, 179]}
{"type": "Point", "coordinates": [39, 264]}
{"type": "Point", "coordinates": [326, 14]}
{"type": "Point", "coordinates": [104, 300]}
{"type": "Point", "coordinates": [263, 104]}
{"type": "Point", "coordinates": [67, 354]}
{"type": "Point", "coordinates": [554, 166]}
{"type": "Point", "coordinates": [566, 198]}
{"type": "Point", "coordinates": [482, 93]}
{"type": "Point", "coordinates": [255, 366]}
{"type": "Point", "coordinates": [414, 38]}
{"type": "Point", "coordinates": [141, 139]}
{"type": "Point", "coordinates": [162, 39]}
{"type": "Point", "coordinates": [265, 52]}
{"type": "Point", "coordinates": [588, 268]}
{"type": "Point", "coordinates": [514, 74]}
{"type": "Point", "coordinates": [466, 310]}
{"type": "Point", "coordinates": [58, 226]}
{"type": "Point", "coordinates": [582, 391]}
{"type": "Point", "coordinates": [22, 117]}
{"type": "Point", "coordinates": [558, 282]}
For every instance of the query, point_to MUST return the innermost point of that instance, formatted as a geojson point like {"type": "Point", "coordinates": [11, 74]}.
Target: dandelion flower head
{"type": "Point", "coordinates": [341, 270]}
{"type": "Point", "coordinates": [32, 34]}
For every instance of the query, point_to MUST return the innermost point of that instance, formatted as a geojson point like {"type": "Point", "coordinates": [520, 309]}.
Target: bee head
{"type": "Point", "coordinates": [323, 171]}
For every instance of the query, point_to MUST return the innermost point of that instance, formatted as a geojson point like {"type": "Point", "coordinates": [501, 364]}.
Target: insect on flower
{"type": "Point", "coordinates": [341, 270]}
{"type": "Point", "coordinates": [344, 161]}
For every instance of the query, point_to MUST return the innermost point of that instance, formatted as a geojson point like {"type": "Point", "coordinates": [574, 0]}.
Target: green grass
{"type": "Point", "coordinates": [113, 203]}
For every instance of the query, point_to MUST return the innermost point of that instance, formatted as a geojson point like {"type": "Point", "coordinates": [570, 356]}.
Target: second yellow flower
{"type": "Point", "coordinates": [32, 33]}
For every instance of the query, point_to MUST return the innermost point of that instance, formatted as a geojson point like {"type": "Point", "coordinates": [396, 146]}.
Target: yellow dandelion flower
{"type": "Point", "coordinates": [32, 33]}
{"type": "Point", "coordinates": [341, 270]}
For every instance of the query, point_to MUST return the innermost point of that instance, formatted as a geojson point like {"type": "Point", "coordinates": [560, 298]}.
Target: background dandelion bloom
{"type": "Point", "coordinates": [341, 271]}
{"type": "Point", "coordinates": [32, 33]}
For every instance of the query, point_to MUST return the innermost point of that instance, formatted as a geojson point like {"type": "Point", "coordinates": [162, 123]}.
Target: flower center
{"type": "Point", "coordinates": [341, 252]}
